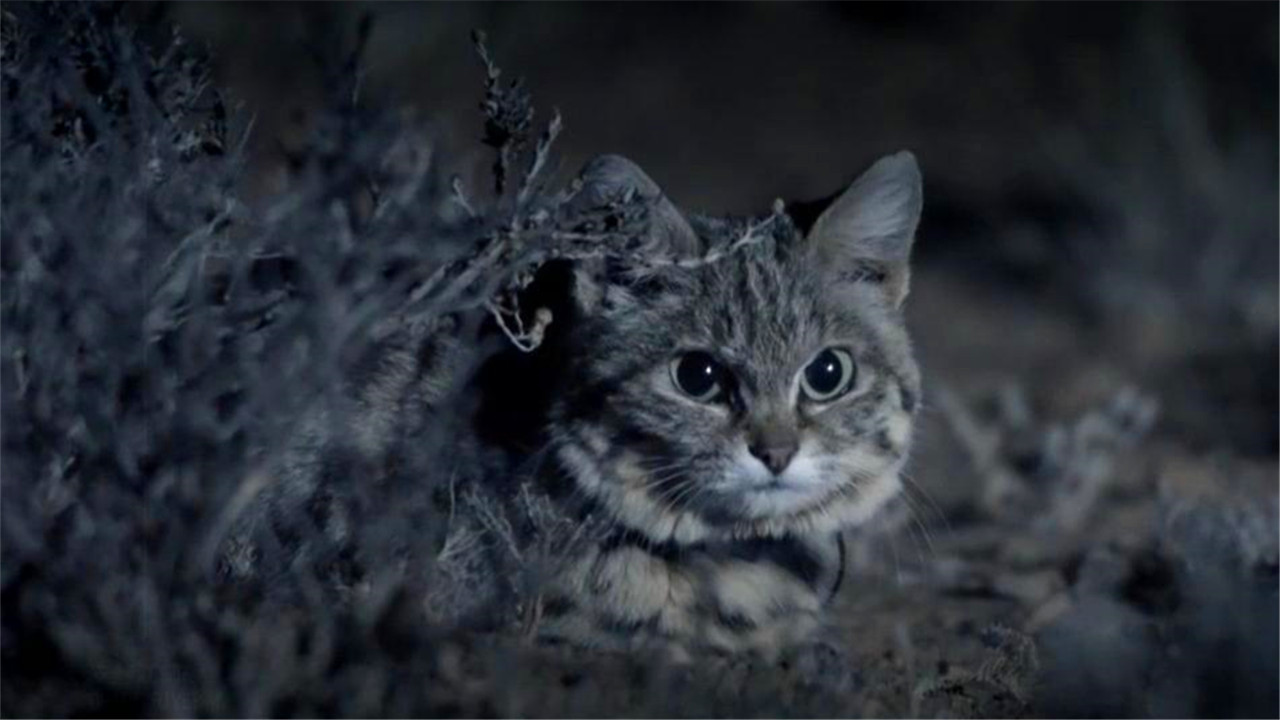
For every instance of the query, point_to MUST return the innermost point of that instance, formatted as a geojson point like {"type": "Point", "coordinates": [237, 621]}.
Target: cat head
{"type": "Point", "coordinates": [751, 380]}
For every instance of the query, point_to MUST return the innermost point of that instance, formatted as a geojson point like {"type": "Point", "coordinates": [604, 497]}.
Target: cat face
{"type": "Point", "coordinates": [771, 390]}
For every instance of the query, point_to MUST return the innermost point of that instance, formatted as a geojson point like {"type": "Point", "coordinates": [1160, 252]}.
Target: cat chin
{"type": "Point", "coordinates": [839, 511]}
{"type": "Point", "coordinates": [805, 512]}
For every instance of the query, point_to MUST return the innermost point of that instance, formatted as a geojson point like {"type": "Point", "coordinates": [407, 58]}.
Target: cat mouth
{"type": "Point", "coordinates": [779, 496]}
{"type": "Point", "coordinates": [778, 485]}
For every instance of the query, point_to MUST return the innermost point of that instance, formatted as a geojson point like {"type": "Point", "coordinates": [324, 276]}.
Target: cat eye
{"type": "Point", "coordinates": [828, 375]}
{"type": "Point", "coordinates": [699, 376]}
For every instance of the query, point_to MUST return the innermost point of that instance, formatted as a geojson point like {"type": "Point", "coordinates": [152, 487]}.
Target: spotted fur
{"type": "Point", "coordinates": [712, 548]}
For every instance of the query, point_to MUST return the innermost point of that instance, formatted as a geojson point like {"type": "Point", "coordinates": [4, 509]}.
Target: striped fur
{"type": "Point", "coordinates": [760, 595]}
{"type": "Point", "coordinates": [712, 550]}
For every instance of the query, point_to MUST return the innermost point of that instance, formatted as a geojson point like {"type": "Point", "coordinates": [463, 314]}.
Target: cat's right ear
{"type": "Point", "coordinates": [868, 231]}
{"type": "Point", "coordinates": [608, 178]}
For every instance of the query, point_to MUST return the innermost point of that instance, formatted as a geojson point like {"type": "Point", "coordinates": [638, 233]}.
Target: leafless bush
{"type": "Point", "coordinates": [163, 340]}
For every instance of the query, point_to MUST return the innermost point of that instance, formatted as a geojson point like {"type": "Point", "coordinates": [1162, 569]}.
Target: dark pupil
{"type": "Point", "coordinates": [697, 373]}
{"type": "Point", "coordinates": [824, 373]}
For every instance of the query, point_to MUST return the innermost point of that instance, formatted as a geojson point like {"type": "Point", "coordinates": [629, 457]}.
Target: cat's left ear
{"type": "Point", "coordinates": [867, 233]}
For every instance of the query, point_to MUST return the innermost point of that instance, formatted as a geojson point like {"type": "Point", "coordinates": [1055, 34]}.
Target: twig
{"type": "Point", "coordinates": [524, 340]}
{"type": "Point", "coordinates": [541, 152]}
{"type": "Point", "coordinates": [459, 196]}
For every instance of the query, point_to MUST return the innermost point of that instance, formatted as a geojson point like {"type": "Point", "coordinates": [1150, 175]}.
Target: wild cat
{"type": "Point", "coordinates": [732, 417]}
{"type": "Point", "coordinates": [724, 418]}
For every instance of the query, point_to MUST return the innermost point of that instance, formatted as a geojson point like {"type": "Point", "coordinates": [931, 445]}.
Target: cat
{"type": "Point", "coordinates": [731, 416]}
{"type": "Point", "coordinates": [727, 404]}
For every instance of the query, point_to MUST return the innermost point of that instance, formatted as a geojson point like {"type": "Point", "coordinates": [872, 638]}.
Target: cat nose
{"type": "Point", "coordinates": [775, 455]}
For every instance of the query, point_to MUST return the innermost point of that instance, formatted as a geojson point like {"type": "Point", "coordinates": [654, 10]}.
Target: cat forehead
{"type": "Point", "coordinates": [767, 290]}
{"type": "Point", "coordinates": [757, 301]}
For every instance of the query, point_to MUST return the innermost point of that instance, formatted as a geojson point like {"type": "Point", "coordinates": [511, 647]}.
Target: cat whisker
{"type": "Point", "coordinates": [918, 525]}
{"type": "Point", "coordinates": [911, 485]}
{"type": "Point", "coordinates": [664, 484]}
{"type": "Point", "coordinates": [686, 493]}
{"type": "Point", "coordinates": [920, 537]}
{"type": "Point", "coordinates": [656, 469]}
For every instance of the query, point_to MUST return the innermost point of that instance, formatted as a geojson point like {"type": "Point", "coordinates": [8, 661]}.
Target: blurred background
{"type": "Point", "coordinates": [1101, 180]}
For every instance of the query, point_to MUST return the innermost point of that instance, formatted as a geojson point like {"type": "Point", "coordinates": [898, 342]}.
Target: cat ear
{"type": "Point", "coordinates": [606, 179]}
{"type": "Point", "coordinates": [609, 177]}
{"type": "Point", "coordinates": [866, 234]}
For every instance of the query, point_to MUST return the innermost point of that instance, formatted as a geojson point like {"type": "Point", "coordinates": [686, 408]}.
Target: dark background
{"type": "Point", "coordinates": [1100, 179]}
{"type": "Point", "coordinates": [730, 105]}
